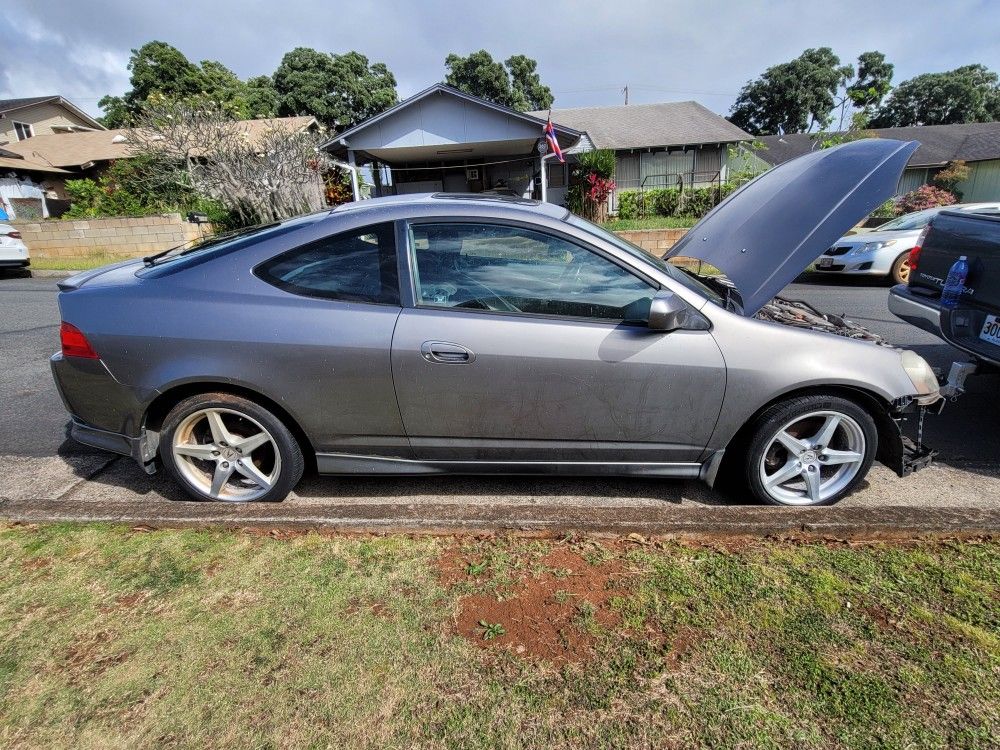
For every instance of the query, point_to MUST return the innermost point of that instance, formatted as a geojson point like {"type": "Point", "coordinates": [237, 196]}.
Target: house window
{"type": "Point", "coordinates": [556, 176]}
{"type": "Point", "coordinates": [23, 130]}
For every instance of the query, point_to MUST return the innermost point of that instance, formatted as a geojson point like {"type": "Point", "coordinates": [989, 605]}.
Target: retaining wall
{"type": "Point", "coordinates": [124, 238]}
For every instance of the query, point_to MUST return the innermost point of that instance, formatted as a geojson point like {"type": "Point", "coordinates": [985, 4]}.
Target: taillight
{"type": "Point", "coordinates": [915, 252]}
{"type": "Point", "coordinates": [74, 343]}
{"type": "Point", "coordinates": [14, 235]}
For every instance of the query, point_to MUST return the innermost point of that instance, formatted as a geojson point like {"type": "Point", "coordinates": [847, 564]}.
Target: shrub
{"type": "Point", "coordinates": [699, 201]}
{"type": "Point", "coordinates": [954, 173]}
{"type": "Point", "coordinates": [600, 161]}
{"type": "Point", "coordinates": [925, 196]}
{"type": "Point", "coordinates": [629, 204]}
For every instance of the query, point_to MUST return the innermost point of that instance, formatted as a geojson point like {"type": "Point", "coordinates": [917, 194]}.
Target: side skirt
{"type": "Point", "coordinates": [344, 463]}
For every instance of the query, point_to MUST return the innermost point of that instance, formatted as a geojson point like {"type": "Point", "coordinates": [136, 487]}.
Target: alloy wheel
{"type": "Point", "coordinates": [812, 458]}
{"type": "Point", "coordinates": [226, 455]}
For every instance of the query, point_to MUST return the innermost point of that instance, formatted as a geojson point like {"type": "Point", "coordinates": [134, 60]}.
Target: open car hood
{"type": "Point", "coordinates": [767, 232]}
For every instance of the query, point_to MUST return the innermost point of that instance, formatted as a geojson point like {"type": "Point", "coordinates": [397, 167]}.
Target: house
{"type": "Point", "coordinates": [41, 115]}
{"type": "Point", "coordinates": [443, 139]}
{"type": "Point", "coordinates": [76, 155]}
{"type": "Point", "coordinates": [977, 144]}
{"type": "Point", "coordinates": [671, 144]}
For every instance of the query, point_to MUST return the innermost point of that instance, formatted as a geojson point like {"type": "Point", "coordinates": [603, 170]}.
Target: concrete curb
{"type": "Point", "coordinates": [891, 521]}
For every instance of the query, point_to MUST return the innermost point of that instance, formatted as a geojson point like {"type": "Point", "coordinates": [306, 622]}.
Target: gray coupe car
{"type": "Point", "coordinates": [487, 335]}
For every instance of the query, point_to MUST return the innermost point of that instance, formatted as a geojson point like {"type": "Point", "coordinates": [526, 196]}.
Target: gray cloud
{"type": "Point", "coordinates": [587, 51]}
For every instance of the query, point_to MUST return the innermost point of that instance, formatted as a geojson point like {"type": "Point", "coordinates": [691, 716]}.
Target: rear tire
{"type": "Point", "coordinates": [809, 451]}
{"type": "Point", "coordinates": [900, 273]}
{"type": "Point", "coordinates": [222, 447]}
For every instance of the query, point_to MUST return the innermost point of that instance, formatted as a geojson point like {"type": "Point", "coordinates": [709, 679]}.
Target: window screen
{"type": "Point", "coordinates": [356, 266]}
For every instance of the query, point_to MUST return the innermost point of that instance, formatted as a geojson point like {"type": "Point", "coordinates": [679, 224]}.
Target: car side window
{"type": "Point", "coordinates": [512, 269]}
{"type": "Point", "coordinates": [355, 266]}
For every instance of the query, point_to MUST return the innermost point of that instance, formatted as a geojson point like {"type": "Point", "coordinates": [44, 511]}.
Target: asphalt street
{"type": "Point", "coordinates": [37, 460]}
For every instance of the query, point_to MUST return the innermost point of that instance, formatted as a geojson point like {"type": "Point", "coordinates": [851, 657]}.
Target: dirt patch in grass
{"type": "Point", "coordinates": [553, 611]}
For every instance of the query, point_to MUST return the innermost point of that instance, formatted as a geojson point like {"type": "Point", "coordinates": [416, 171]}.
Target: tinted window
{"type": "Point", "coordinates": [356, 266]}
{"type": "Point", "coordinates": [510, 269]}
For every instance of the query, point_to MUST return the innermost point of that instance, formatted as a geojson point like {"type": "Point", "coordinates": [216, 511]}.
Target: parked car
{"type": "Point", "coordinates": [13, 251]}
{"type": "Point", "coordinates": [885, 250]}
{"type": "Point", "coordinates": [972, 326]}
{"type": "Point", "coordinates": [485, 335]}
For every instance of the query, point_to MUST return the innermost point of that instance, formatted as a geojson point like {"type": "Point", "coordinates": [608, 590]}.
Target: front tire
{"type": "Point", "coordinates": [225, 448]}
{"type": "Point", "coordinates": [809, 451]}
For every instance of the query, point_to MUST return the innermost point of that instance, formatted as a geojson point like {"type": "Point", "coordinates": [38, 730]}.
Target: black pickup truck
{"type": "Point", "coordinates": [974, 324]}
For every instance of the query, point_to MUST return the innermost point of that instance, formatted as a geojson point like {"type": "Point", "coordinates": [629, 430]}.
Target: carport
{"type": "Point", "coordinates": [445, 140]}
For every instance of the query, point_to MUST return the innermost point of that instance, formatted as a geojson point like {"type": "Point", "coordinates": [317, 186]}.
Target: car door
{"type": "Point", "coordinates": [516, 350]}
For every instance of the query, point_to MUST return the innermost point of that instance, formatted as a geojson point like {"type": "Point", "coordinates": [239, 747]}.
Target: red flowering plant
{"type": "Point", "coordinates": [594, 183]}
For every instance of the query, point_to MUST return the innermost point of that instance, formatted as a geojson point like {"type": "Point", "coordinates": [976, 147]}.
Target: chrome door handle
{"type": "Point", "coordinates": [446, 353]}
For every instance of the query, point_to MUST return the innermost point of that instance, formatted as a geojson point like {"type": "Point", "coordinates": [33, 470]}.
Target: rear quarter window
{"type": "Point", "coordinates": [354, 266]}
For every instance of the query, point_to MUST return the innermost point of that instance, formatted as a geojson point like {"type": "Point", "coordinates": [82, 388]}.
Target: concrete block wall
{"type": "Point", "coordinates": [116, 238]}
{"type": "Point", "coordinates": [654, 241]}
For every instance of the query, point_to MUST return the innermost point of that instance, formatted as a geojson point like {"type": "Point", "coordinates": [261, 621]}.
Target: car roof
{"type": "Point", "coordinates": [424, 203]}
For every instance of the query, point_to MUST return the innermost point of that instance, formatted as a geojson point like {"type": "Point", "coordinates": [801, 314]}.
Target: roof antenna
{"type": "Point", "coordinates": [625, 91]}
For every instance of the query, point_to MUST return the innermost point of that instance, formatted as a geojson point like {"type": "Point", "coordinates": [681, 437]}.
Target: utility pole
{"type": "Point", "coordinates": [625, 91]}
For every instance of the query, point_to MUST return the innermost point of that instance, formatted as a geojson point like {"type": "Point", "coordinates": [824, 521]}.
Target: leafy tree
{"type": "Point", "coordinates": [514, 83]}
{"type": "Point", "coordinates": [873, 81]}
{"type": "Point", "coordinates": [261, 97]}
{"type": "Point", "coordinates": [339, 90]}
{"type": "Point", "coordinates": [159, 69]}
{"type": "Point", "coordinates": [792, 97]}
{"type": "Point", "coordinates": [527, 90]}
{"type": "Point", "coordinates": [967, 94]}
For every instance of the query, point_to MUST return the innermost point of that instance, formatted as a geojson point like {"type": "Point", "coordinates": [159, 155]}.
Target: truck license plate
{"type": "Point", "coordinates": [991, 330]}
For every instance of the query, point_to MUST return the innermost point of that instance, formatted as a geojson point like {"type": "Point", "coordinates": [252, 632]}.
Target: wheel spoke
{"type": "Point", "coordinates": [250, 444]}
{"type": "Point", "coordinates": [196, 450]}
{"type": "Point", "coordinates": [220, 477]}
{"type": "Point", "coordinates": [792, 443]}
{"type": "Point", "coordinates": [251, 472]}
{"type": "Point", "coordinates": [786, 472]}
{"type": "Point", "coordinates": [812, 484]}
{"type": "Point", "coordinates": [841, 457]}
{"type": "Point", "coordinates": [220, 434]}
{"type": "Point", "coordinates": [825, 434]}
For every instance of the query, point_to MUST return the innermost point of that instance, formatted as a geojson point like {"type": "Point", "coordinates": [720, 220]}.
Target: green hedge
{"type": "Point", "coordinates": [696, 202]}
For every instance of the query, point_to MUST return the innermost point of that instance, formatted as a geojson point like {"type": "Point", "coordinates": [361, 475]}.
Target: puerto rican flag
{"type": "Point", "coordinates": [550, 136]}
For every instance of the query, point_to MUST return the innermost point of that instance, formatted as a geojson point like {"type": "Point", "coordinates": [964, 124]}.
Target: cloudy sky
{"type": "Point", "coordinates": [586, 51]}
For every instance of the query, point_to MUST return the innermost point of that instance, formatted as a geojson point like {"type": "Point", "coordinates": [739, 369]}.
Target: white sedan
{"type": "Point", "coordinates": [885, 250]}
{"type": "Point", "coordinates": [13, 251]}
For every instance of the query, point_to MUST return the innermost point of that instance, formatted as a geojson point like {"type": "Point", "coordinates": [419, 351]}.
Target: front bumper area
{"type": "Point", "coordinates": [15, 263]}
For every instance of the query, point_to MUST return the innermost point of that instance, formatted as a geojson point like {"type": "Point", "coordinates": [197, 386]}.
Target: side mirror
{"type": "Point", "coordinates": [668, 312]}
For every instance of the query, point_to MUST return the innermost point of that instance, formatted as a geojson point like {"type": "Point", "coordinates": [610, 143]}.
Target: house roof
{"type": "Point", "coordinates": [649, 125]}
{"type": "Point", "coordinates": [939, 144]}
{"type": "Point", "coordinates": [571, 133]}
{"type": "Point", "coordinates": [10, 105]}
{"type": "Point", "coordinates": [75, 149]}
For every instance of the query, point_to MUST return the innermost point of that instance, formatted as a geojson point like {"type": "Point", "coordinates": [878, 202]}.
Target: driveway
{"type": "Point", "coordinates": [44, 474]}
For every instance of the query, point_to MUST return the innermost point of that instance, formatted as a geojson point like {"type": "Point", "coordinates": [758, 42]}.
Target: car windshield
{"type": "Point", "coordinates": [916, 220]}
{"type": "Point", "coordinates": [682, 277]}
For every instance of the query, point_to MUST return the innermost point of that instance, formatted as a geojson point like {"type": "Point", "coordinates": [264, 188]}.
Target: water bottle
{"type": "Point", "coordinates": [954, 285]}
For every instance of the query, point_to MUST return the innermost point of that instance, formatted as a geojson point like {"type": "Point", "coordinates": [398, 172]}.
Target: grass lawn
{"type": "Point", "coordinates": [81, 263]}
{"type": "Point", "coordinates": [122, 638]}
{"type": "Point", "coordinates": [653, 222]}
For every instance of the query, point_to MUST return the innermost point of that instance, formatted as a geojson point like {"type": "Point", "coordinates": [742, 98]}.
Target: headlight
{"type": "Point", "coordinates": [921, 375]}
{"type": "Point", "coordinates": [869, 247]}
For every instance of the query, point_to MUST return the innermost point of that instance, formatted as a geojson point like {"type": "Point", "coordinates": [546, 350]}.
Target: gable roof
{"type": "Point", "coordinates": [939, 144]}
{"type": "Point", "coordinates": [649, 125]}
{"type": "Point", "coordinates": [75, 149]}
{"type": "Point", "coordinates": [10, 105]}
{"type": "Point", "coordinates": [442, 88]}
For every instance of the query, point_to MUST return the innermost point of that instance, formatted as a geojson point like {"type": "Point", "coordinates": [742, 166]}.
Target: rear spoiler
{"type": "Point", "coordinates": [77, 280]}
